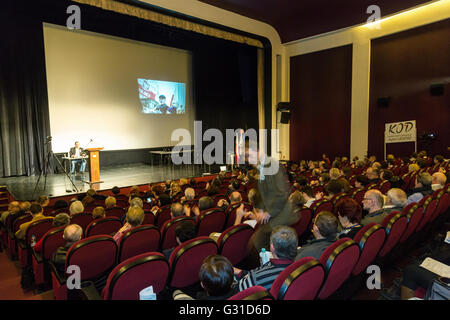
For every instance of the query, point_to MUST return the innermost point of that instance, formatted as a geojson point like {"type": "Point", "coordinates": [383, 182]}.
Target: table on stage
{"type": "Point", "coordinates": [69, 160]}
{"type": "Point", "coordinates": [166, 153]}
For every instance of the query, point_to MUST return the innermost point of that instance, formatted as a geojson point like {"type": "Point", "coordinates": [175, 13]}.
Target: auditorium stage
{"type": "Point", "coordinates": [122, 176]}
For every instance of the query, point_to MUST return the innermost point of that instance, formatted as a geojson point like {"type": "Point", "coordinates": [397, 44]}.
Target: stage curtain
{"type": "Point", "coordinates": [146, 14]}
{"type": "Point", "coordinates": [24, 119]}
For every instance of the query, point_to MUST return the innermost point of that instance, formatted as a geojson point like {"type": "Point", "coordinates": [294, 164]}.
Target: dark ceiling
{"type": "Point", "coordinates": [297, 19]}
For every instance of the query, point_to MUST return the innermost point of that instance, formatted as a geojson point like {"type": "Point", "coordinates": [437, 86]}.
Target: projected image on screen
{"type": "Point", "coordinates": [162, 97]}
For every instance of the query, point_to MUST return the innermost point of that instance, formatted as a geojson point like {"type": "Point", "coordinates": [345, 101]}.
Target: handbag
{"type": "Point", "coordinates": [439, 289]}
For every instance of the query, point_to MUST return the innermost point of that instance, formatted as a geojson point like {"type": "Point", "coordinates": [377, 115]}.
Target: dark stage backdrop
{"type": "Point", "coordinates": [224, 75]}
{"type": "Point", "coordinates": [403, 66]}
{"type": "Point", "coordinates": [320, 90]}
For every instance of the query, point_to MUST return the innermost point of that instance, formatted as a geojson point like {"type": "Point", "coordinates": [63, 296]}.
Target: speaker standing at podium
{"type": "Point", "coordinates": [77, 152]}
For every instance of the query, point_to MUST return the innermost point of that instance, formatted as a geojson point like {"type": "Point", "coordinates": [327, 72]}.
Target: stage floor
{"type": "Point", "coordinates": [122, 176]}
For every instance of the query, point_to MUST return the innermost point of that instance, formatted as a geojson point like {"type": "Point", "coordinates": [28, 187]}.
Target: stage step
{"type": "Point", "coordinates": [4, 200]}
{"type": "Point", "coordinates": [3, 189]}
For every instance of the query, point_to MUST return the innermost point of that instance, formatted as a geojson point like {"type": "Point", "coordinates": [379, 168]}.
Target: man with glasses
{"type": "Point", "coordinates": [373, 202]}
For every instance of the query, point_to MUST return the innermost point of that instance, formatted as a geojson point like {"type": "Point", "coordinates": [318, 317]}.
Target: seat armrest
{"type": "Point", "coordinates": [89, 292]}
{"type": "Point", "coordinates": [38, 256]}
{"type": "Point", "coordinates": [54, 270]}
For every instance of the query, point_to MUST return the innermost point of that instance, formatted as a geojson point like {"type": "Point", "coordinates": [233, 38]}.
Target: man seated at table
{"type": "Point", "coordinates": [77, 152]}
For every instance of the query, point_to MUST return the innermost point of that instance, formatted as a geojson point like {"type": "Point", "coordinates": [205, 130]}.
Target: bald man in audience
{"type": "Point", "coordinates": [395, 200]}
{"type": "Point", "coordinates": [176, 210]}
{"type": "Point", "coordinates": [235, 197]}
{"type": "Point", "coordinates": [373, 202]}
{"type": "Point", "coordinates": [72, 234]}
{"type": "Point", "coordinates": [373, 174]}
{"type": "Point", "coordinates": [438, 180]}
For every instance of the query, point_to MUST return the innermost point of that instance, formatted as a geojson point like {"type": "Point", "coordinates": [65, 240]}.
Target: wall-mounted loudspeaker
{"type": "Point", "coordinates": [283, 106]}
{"type": "Point", "coordinates": [437, 89]}
{"type": "Point", "coordinates": [285, 116]}
{"type": "Point", "coordinates": [383, 102]}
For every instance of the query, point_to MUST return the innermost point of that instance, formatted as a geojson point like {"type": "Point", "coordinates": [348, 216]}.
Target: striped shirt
{"type": "Point", "coordinates": [264, 275]}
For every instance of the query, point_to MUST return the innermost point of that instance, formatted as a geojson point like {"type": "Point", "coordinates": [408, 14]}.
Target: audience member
{"type": "Point", "coordinates": [395, 200]}
{"type": "Point", "coordinates": [72, 234]}
{"type": "Point", "coordinates": [38, 214]}
{"type": "Point", "coordinates": [60, 220]}
{"type": "Point", "coordinates": [325, 229]}
{"type": "Point", "coordinates": [421, 188]}
{"type": "Point", "coordinates": [361, 181]}
{"type": "Point", "coordinates": [308, 195]}
{"type": "Point", "coordinates": [98, 213]}
{"type": "Point", "coordinates": [134, 218]}
{"type": "Point", "coordinates": [184, 231]}
{"type": "Point", "coordinates": [438, 180]}
{"type": "Point", "coordinates": [76, 207]}
{"type": "Point", "coordinates": [110, 202]}
{"type": "Point", "coordinates": [373, 202]}
{"type": "Point", "coordinates": [283, 246]}
{"type": "Point", "coordinates": [349, 215]}
{"type": "Point", "coordinates": [373, 174]}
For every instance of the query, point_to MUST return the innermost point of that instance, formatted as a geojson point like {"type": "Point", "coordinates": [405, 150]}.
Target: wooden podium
{"type": "Point", "coordinates": [94, 165]}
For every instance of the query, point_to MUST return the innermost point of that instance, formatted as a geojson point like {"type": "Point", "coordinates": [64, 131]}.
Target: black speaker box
{"type": "Point", "coordinates": [285, 116]}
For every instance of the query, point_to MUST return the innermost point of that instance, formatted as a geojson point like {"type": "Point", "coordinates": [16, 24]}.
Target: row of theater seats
{"type": "Point", "coordinates": [347, 258]}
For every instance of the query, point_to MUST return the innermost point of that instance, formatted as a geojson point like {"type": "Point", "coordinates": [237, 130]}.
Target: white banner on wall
{"type": "Point", "coordinates": [403, 131]}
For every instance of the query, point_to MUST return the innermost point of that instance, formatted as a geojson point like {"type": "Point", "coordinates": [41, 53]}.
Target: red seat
{"type": "Point", "coordinates": [304, 220]}
{"type": "Point", "coordinates": [149, 218]}
{"type": "Point", "coordinates": [52, 240]}
{"type": "Point", "coordinates": [395, 225]}
{"type": "Point", "coordinates": [117, 212]}
{"type": "Point", "coordinates": [233, 243]}
{"type": "Point", "coordinates": [138, 240]}
{"type": "Point", "coordinates": [209, 221]}
{"type": "Point", "coordinates": [12, 242]}
{"type": "Point", "coordinates": [230, 212]}
{"type": "Point", "coordinates": [168, 237]}
{"type": "Point", "coordinates": [413, 213]}
{"type": "Point", "coordinates": [339, 259]}
{"type": "Point", "coordinates": [299, 281]}
{"type": "Point", "coordinates": [253, 293]}
{"type": "Point", "coordinates": [128, 278]}
{"type": "Point", "coordinates": [186, 260]}
{"type": "Point", "coordinates": [162, 216]}
{"type": "Point", "coordinates": [82, 219]}
{"type": "Point", "coordinates": [429, 206]}
{"type": "Point", "coordinates": [358, 195]}
{"type": "Point", "coordinates": [95, 256]}
{"type": "Point", "coordinates": [384, 186]}
{"type": "Point", "coordinates": [369, 239]}
{"type": "Point", "coordinates": [107, 226]}
{"type": "Point", "coordinates": [37, 228]}
{"type": "Point", "coordinates": [322, 205]}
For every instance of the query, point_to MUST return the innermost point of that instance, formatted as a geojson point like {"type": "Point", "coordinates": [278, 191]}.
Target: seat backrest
{"type": "Point", "coordinates": [233, 242]}
{"type": "Point", "coordinates": [339, 259]}
{"type": "Point", "coordinates": [443, 199]}
{"type": "Point", "coordinates": [141, 239]}
{"type": "Point", "coordinates": [370, 239]}
{"type": "Point", "coordinates": [211, 220]}
{"type": "Point", "coordinates": [395, 225]}
{"type": "Point", "coordinates": [413, 216]}
{"type": "Point", "coordinates": [162, 216]}
{"type": "Point", "coordinates": [429, 206]}
{"type": "Point", "coordinates": [95, 256]}
{"type": "Point", "coordinates": [304, 220]}
{"type": "Point", "coordinates": [149, 218]}
{"type": "Point", "coordinates": [117, 212]}
{"type": "Point", "coordinates": [20, 220]}
{"type": "Point", "coordinates": [299, 281]}
{"type": "Point", "coordinates": [253, 293]}
{"type": "Point", "coordinates": [81, 219]}
{"type": "Point", "coordinates": [107, 226]}
{"type": "Point", "coordinates": [358, 195]}
{"type": "Point", "coordinates": [186, 260]}
{"type": "Point", "coordinates": [136, 273]}
{"type": "Point", "coordinates": [322, 205]}
{"type": "Point", "coordinates": [230, 212]}
{"type": "Point", "coordinates": [168, 237]}
{"type": "Point", "coordinates": [385, 186]}
{"type": "Point", "coordinates": [38, 228]}
{"type": "Point", "coordinates": [52, 241]}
